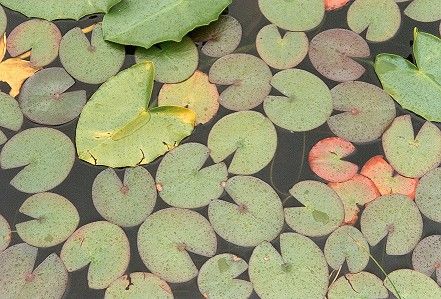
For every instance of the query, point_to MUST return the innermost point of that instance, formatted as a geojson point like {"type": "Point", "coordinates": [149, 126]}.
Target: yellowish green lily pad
{"type": "Point", "coordinates": [11, 116]}
{"type": "Point", "coordinates": [3, 21]}
{"type": "Point", "coordinates": [362, 285]}
{"type": "Point", "coordinates": [410, 284]}
{"type": "Point", "coordinates": [423, 10]}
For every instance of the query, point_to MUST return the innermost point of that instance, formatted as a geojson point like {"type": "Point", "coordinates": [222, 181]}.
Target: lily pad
{"type": "Point", "coordinates": [101, 245]}
{"type": "Point", "coordinates": [91, 62]}
{"type": "Point", "coordinates": [394, 216]}
{"type": "Point", "coordinates": [166, 236]}
{"type": "Point", "coordinates": [410, 284]}
{"type": "Point", "coordinates": [300, 271]}
{"type": "Point", "coordinates": [412, 156]}
{"type": "Point", "coordinates": [183, 183]}
{"type": "Point", "coordinates": [335, 4]}
{"type": "Point", "coordinates": [426, 257]}
{"type": "Point", "coordinates": [3, 21]}
{"type": "Point", "coordinates": [11, 116]}
{"type": "Point", "coordinates": [217, 278]}
{"type": "Point", "coordinates": [321, 212]}
{"type": "Point", "coordinates": [248, 76]}
{"type": "Point", "coordinates": [125, 203]}
{"type": "Point", "coordinates": [362, 285]}
{"type": "Point", "coordinates": [117, 129]}
{"type": "Point", "coordinates": [5, 233]}
{"type": "Point", "coordinates": [249, 135]}
{"type": "Point", "coordinates": [44, 100]}
{"type": "Point", "coordinates": [281, 52]}
{"type": "Point", "coordinates": [365, 111]}
{"type": "Point", "coordinates": [428, 195]}
{"type": "Point", "coordinates": [332, 53]}
{"type": "Point", "coordinates": [307, 102]}
{"type": "Point", "coordinates": [423, 10]}
{"type": "Point", "coordinates": [46, 154]}
{"type": "Point", "coordinates": [255, 216]}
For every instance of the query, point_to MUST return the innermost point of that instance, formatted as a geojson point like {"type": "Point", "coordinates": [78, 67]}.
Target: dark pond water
{"type": "Point", "coordinates": [288, 167]}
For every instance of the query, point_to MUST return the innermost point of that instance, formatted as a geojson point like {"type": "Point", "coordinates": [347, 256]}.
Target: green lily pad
{"type": "Point", "coordinates": [174, 61]}
{"type": "Point", "coordinates": [55, 218]}
{"type": "Point", "coordinates": [11, 116]}
{"type": "Point", "coordinates": [362, 285]}
{"type": "Point", "coordinates": [248, 76]}
{"type": "Point", "coordinates": [40, 36]}
{"type": "Point", "coordinates": [426, 257]}
{"type": "Point", "coordinates": [103, 247]}
{"type": "Point", "coordinates": [428, 195]}
{"type": "Point", "coordinates": [3, 21]}
{"type": "Point", "coordinates": [139, 285]}
{"type": "Point", "coordinates": [321, 212]}
{"type": "Point", "coordinates": [307, 102]}
{"type": "Point", "coordinates": [409, 154]}
{"type": "Point", "coordinates": [366, 111]}
{"type": "Point", "coordinates": [46, 154]}
{"type": "Point", "coordinates": [166, 236]}
{"type": "Point", "coordinates": [5, 233]}
{"type": "Point", "coordinates": [394, 216]}
{"type": "Point", "coordinates": [300, 271]}
{"type": "Point", "coordinates": [91, 62]}
{"type": "Point", "coordinates": [136, 22]}
{"type": "Point", "coordinates": [44, 100]}
{"type": "Point", "coordinates": [255, 216]}
{"type": "Point", "coordinates": [249, 135]}
{"type": "Point", "coordinates": [332, 53]}
{"type": "Point", "coordinates": [423, 10]}
{"type": "Point", "coordinates": [217, 278]}
{"type": "Point", "coordinates": [410, 284]}
{"type": "Point", "coordinates": [281, 52]}
{"type": "Point", "coordinates": [183, 183]}
{"type": "Point", "coordinates": [125, 203]}
{"type": "Point", "coordinates": [117, 129]}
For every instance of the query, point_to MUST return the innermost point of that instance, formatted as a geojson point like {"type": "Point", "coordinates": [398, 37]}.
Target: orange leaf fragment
{"type": "Point", "coordinates": [335, 4]}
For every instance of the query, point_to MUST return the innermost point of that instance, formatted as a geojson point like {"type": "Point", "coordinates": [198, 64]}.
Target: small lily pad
{"type": "Point", "coordinates": [11, 116]}
{"type": "Point", "coordinates": [410, 284]}
{"type": "Point", "coordinates": [423, 10]}
{"type": "Point", "coordinates": [335, 4]}
{"type": "Point", "coordinates": [428, 195]}
{"type": "Point", "coordinates": [5, 233]}
{"type": "Point", "coordinates": [426, 257]}
{"type": "Point", "coordinates": [362, 285]}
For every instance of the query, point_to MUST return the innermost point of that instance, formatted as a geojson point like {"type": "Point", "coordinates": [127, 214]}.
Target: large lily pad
{"type": "Point", "coordinates": [362, 285]}
{"type": "Point", "coordinates": [410, 284]}
{"type": "Point", "coordinates": [426, 257]}
{"type": "Point", "coordinates": [423, 10]}
{"type": "Point", "coordinates": [11, 116]}
{"type": "Point", "coordinates": [5, 233]}
{"type": "Point", "coordinates": [428, 195]}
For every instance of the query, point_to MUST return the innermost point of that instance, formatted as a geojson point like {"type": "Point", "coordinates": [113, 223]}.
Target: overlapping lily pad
{"type": "Point", "coordinates": [5, 233]}
{"type": "Point", "coordinates": [426, 257]}
{"type": "Point", "coordinates": [11, 116]}
{"type": "Point", "coordinates": [362, 285]}
{"type": "Point", "coordinates": [410, 284]}
{"type": "Point", "coordinates": [423, 10]}
{"type": "Point", "coordinates": [428, 195]}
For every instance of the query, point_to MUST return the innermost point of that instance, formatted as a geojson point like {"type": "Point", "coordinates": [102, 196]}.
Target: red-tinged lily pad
{"type": "Point", "coordinates": [103, 247]}
{"type": "Point", "coordinates": [426, 257]}
{"type": "Point", "coordinates": [126, 203]}
{"type": "Point", "coordinates": [423, 10]}
{"type": "Point", "coordinates": [5, 233]}
{"type": "Point", "coordinates": [11, 116]}
{"type": "Point", "coordinates": [166, 236]}
{"type": "Point", "coordinates": [410, 284]}
{"type": "Point", "coordinates": [428, 195]}
{"type": "Point", "coordinates": [412, 156]}
{"type": "Point", "coordinates": [362, 285]}
{"type": "Point", "coordinates": [46, 154]}
{"type": "Point", "coordinates": [184, 183]}
{"type": "Point", "coordinates": [335, 4]}
{"type": "Point", "coordinates": [332, 53]}
{"type": "Point", "coordinates": [325, 159]}
{"type": "Point", "coordinates": [396, 217]}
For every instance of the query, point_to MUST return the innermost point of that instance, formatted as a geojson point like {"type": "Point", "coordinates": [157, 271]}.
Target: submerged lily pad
{"type": "Point", "coordinates": [362, 285]}
{"type": "Point", "coordinates": [428, 195]}
{"type": "Point", "coordinates": [11, 116]}
{"type": "Point", "coordinates": [46, 154]}
{"type": "Point", "coordinates": [423, 10]}
{"type": "Point", "coordinates": [5, 233]}
{"type": "Point", "coordinates": [126, 203]}
{"type": "Point", "coordinates": [410, 284]}
{"type": "Point", "coordinates": [426, 257]}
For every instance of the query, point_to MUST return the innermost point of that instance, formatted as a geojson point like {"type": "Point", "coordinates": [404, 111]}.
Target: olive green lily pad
{"type": "Point", "coordinates": [300, 271]}
{"type": "Point", "coordinates": [281, 52]}
{"type": "Point", "coordinates": [409, 154]}
{"type": "Point", "coordinates": [46, 154]}
{"type": "Point", "coordinates": [426, 257]}
{"type": "Point", "coordinates": [255, 216]}
{"type": "Point", "coordinates": [184, 183]}
{"type": "Point", "coordinates": [11, 116]}
{"type": "Point", "coordinates": [174, 61]}
{"type": "Point", "coordinates": [249, 135]}
{"type": "Point", "coordinates": [217, 278]}
{"type": "Point", "coordinates": [423, 10]}
{"type": "Point", "coordinates": [321, 212]}
{"type": "Point", "coordinates": [248, 78]}
{"type": "Point", "coordinates": [410, 284]}
{"type": "Point", "coordinates": [394, 216]}
{"type": "Point", "coordinates": [166, 236]}
{"type": "Point", "coordinates": [306, 103]}
{"type": "Point", "coordinates": [362, 285]}
{"type": "Point", "coordinates": [126, 203]}
{"type": "Point", "coordinates": [91, 62]}
{"type": "Point", "coordinates": [428, 195]}
{"type": "Point", "coordinates": [55, 218]}
{"type": "Point", "coordinates": [44, 100]}
{"type": "Point", "coordinates": [103, 247]}
{"type": "Point", "coordinates": [5, 233]}
{"type": "Point", "coordinates": [3, 21]}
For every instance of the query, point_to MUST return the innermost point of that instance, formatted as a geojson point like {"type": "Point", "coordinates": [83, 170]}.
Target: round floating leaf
{"type": "Point", "coordinates": [182, 181]}
{"type": "Point", "coordinates": [255, 216]}
{"type": "Point", "coordinates": [410, 284]}
{"type": "Point", "coordinates": [412, 156]}
{"type": "Point", "coordinates": [44, 100]}
{"type": "Point", "coordinates": [101, 245]}
{"type": "Point", "coordinates": [174, 61]}
{"type": "Point", "coordinates": [396, 217]}
{"type": "Point", "coordinates": [196, 93]}
{"type": "Point", "coordinates": [332, 53]}
{"type": "Point", "coordinates": [11, 116]}
{"type": "Point", "coordinates": [325, 159]}
{"type": "Point", "coordinates": [40, 36]}
{"type": "Point", "coordinates": [125, 203]}
{"type": "Point", "coordinates": [363, 285]}
{"type": "Point", "coordinates": [428, 195]}
{"type": "Point", "coordinates": [248, 76]}
{"type": "Point", "coordinates": [321, 212]}
{"type": "Point", "coordinates": [335, 4]}
{"type": "Point", "coordinates": [3, 21]}
{"type": "Point", "coordinates": [299, 272]}
{"type": "Point", "coordinates": [423, 10]}
{"type": "Point", "coordinates": [249, 135]}
{"type": "Point", "coordinates": [426, 257]}
{"type": "Point", "coordinates": [139, 285]}
{"type": "Point", "coordinates": [217, 278]}
{"type": "Point", "coordinates": [5, 233]}
{"type": "Point", "coordinates": [366, 111]}
{"type": "Point", "coordinates": [281, 52]}
{"type": "Point", "coordinates": [91, 62]}
{"type": "Point", "coordinates": [166, 236]}
{"type": "Point", "coordinates": [307, 102]}
{"type": "Point", "coordinates": [47, 156]}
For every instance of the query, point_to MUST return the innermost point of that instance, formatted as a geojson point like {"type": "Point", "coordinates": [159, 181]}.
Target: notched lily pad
{"type": "Point", "coordinates": [5, 233]}
{"type": "Point", "coordinates": [428, 195]}
{"type": "Point", "coordinates": [11, 116]}
{"type": "Point", "coordinates": [423, 10]}
{"type": "Point", "coordinates": [410, 284]}
{"type": "Point", "coordinates": [362, 285]}
{"type": "Point", "coordinates": [426, 257]}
